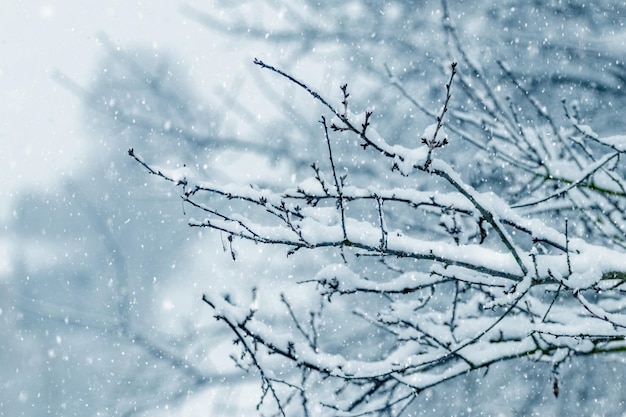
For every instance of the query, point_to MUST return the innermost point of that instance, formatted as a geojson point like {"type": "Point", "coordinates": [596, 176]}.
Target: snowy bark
{"type": "Point", "coordinates": [483, 279]}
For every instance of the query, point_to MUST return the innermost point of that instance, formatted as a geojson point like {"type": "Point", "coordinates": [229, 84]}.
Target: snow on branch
{"type": "Point", "coordinates": [450, 279]}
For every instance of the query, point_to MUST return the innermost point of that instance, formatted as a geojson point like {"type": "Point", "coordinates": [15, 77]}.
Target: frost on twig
{"type": "Point", "coordinates": [474, 282]}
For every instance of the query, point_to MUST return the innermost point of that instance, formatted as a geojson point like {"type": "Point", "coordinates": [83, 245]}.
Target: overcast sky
{"type": "Point", "coordinates": [41, 140]}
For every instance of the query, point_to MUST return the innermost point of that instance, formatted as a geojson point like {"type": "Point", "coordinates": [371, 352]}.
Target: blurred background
{"type": "Point", "coordinates": [100, 277]}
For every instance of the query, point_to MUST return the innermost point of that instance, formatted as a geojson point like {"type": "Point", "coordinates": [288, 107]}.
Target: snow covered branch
{"type": "Point", "coordinates": [448, 278]}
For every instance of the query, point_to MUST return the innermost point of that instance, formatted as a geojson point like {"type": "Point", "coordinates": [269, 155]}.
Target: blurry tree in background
{"type": "Point", "coordinates": [413, 266]}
